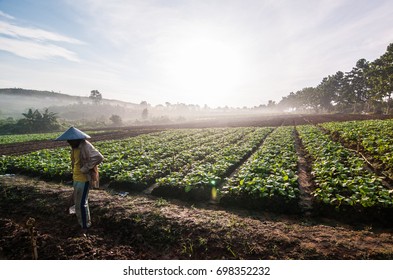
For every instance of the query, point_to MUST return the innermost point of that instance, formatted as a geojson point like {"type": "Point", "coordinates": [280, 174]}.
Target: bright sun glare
{"type": "Point", "coordinates": [206, 68]}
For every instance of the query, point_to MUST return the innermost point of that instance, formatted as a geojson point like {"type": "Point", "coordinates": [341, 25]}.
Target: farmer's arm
{"type": "Point", "coordinates": [94, 158]}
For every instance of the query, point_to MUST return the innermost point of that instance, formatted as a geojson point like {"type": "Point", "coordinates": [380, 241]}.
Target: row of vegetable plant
{"type": "Point", "coordinates": [270, 174]}
{"type": "Point", "coordinates": [170, 156]}
{"type": "Point", "coordinates": [375, 136]}
{"type": "Point", "coordinates": [340, 175]}
{"type": "Point", "coordinates": [217, 162]}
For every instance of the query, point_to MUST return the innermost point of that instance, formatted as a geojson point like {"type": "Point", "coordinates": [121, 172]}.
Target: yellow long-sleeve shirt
{"type": "Point", "coordinates": [77, 174]}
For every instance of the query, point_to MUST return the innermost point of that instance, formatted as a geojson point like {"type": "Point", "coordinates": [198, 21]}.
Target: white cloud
{"type": "Point", "coordinates": [34, 33]}
{"type": "Point", "coordinates": [34, 43]}
{"type": "Point", "coordinates": [2, 14]}
{"type": "Point", "coordinates": [35, 50]}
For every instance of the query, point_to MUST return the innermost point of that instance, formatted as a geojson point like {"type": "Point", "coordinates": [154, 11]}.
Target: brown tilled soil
{"type": "Point", "coordinates": [138, 226]}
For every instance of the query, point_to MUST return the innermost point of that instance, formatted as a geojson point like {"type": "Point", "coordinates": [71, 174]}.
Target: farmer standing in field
{"type": "Point", "coordinates": [85, 159]}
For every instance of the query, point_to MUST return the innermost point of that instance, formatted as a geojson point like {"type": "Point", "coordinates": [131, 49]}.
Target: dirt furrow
{"type": "Point", "coordinates": [305, 180]}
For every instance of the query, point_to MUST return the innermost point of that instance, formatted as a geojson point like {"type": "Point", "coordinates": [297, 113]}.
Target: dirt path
{"type": "Point", "coordinates": [146, 227]}
{"type": "Point", "coordinates": [306, 184]}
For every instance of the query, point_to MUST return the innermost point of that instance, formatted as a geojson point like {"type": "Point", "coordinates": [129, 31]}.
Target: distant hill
{"type": "Point", "coordinates": [30, 94]}
{"type": "Point", "coordinates": [34, 93]}
{"type": "Point", "coordinates": [15, 101]}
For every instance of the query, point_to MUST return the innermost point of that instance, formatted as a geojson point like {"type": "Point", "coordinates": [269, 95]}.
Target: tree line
{"type": "Point", "coordinates": [367, 88]}
{"type": "Point", "coordinates": [34, 121]}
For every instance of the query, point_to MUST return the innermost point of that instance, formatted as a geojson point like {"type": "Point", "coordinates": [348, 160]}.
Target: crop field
{"type": "Point", "coordinates": [250, 167]}
{"type": "Point", "coordinates": [302, 187]}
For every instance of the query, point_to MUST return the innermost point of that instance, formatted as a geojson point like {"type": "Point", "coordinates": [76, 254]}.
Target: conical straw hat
{"type": "Point", "coordinates": [72, 134]}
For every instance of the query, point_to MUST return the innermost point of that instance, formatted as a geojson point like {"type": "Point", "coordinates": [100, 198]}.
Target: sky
{"type": "Point", "coordinates": [214, 52]}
